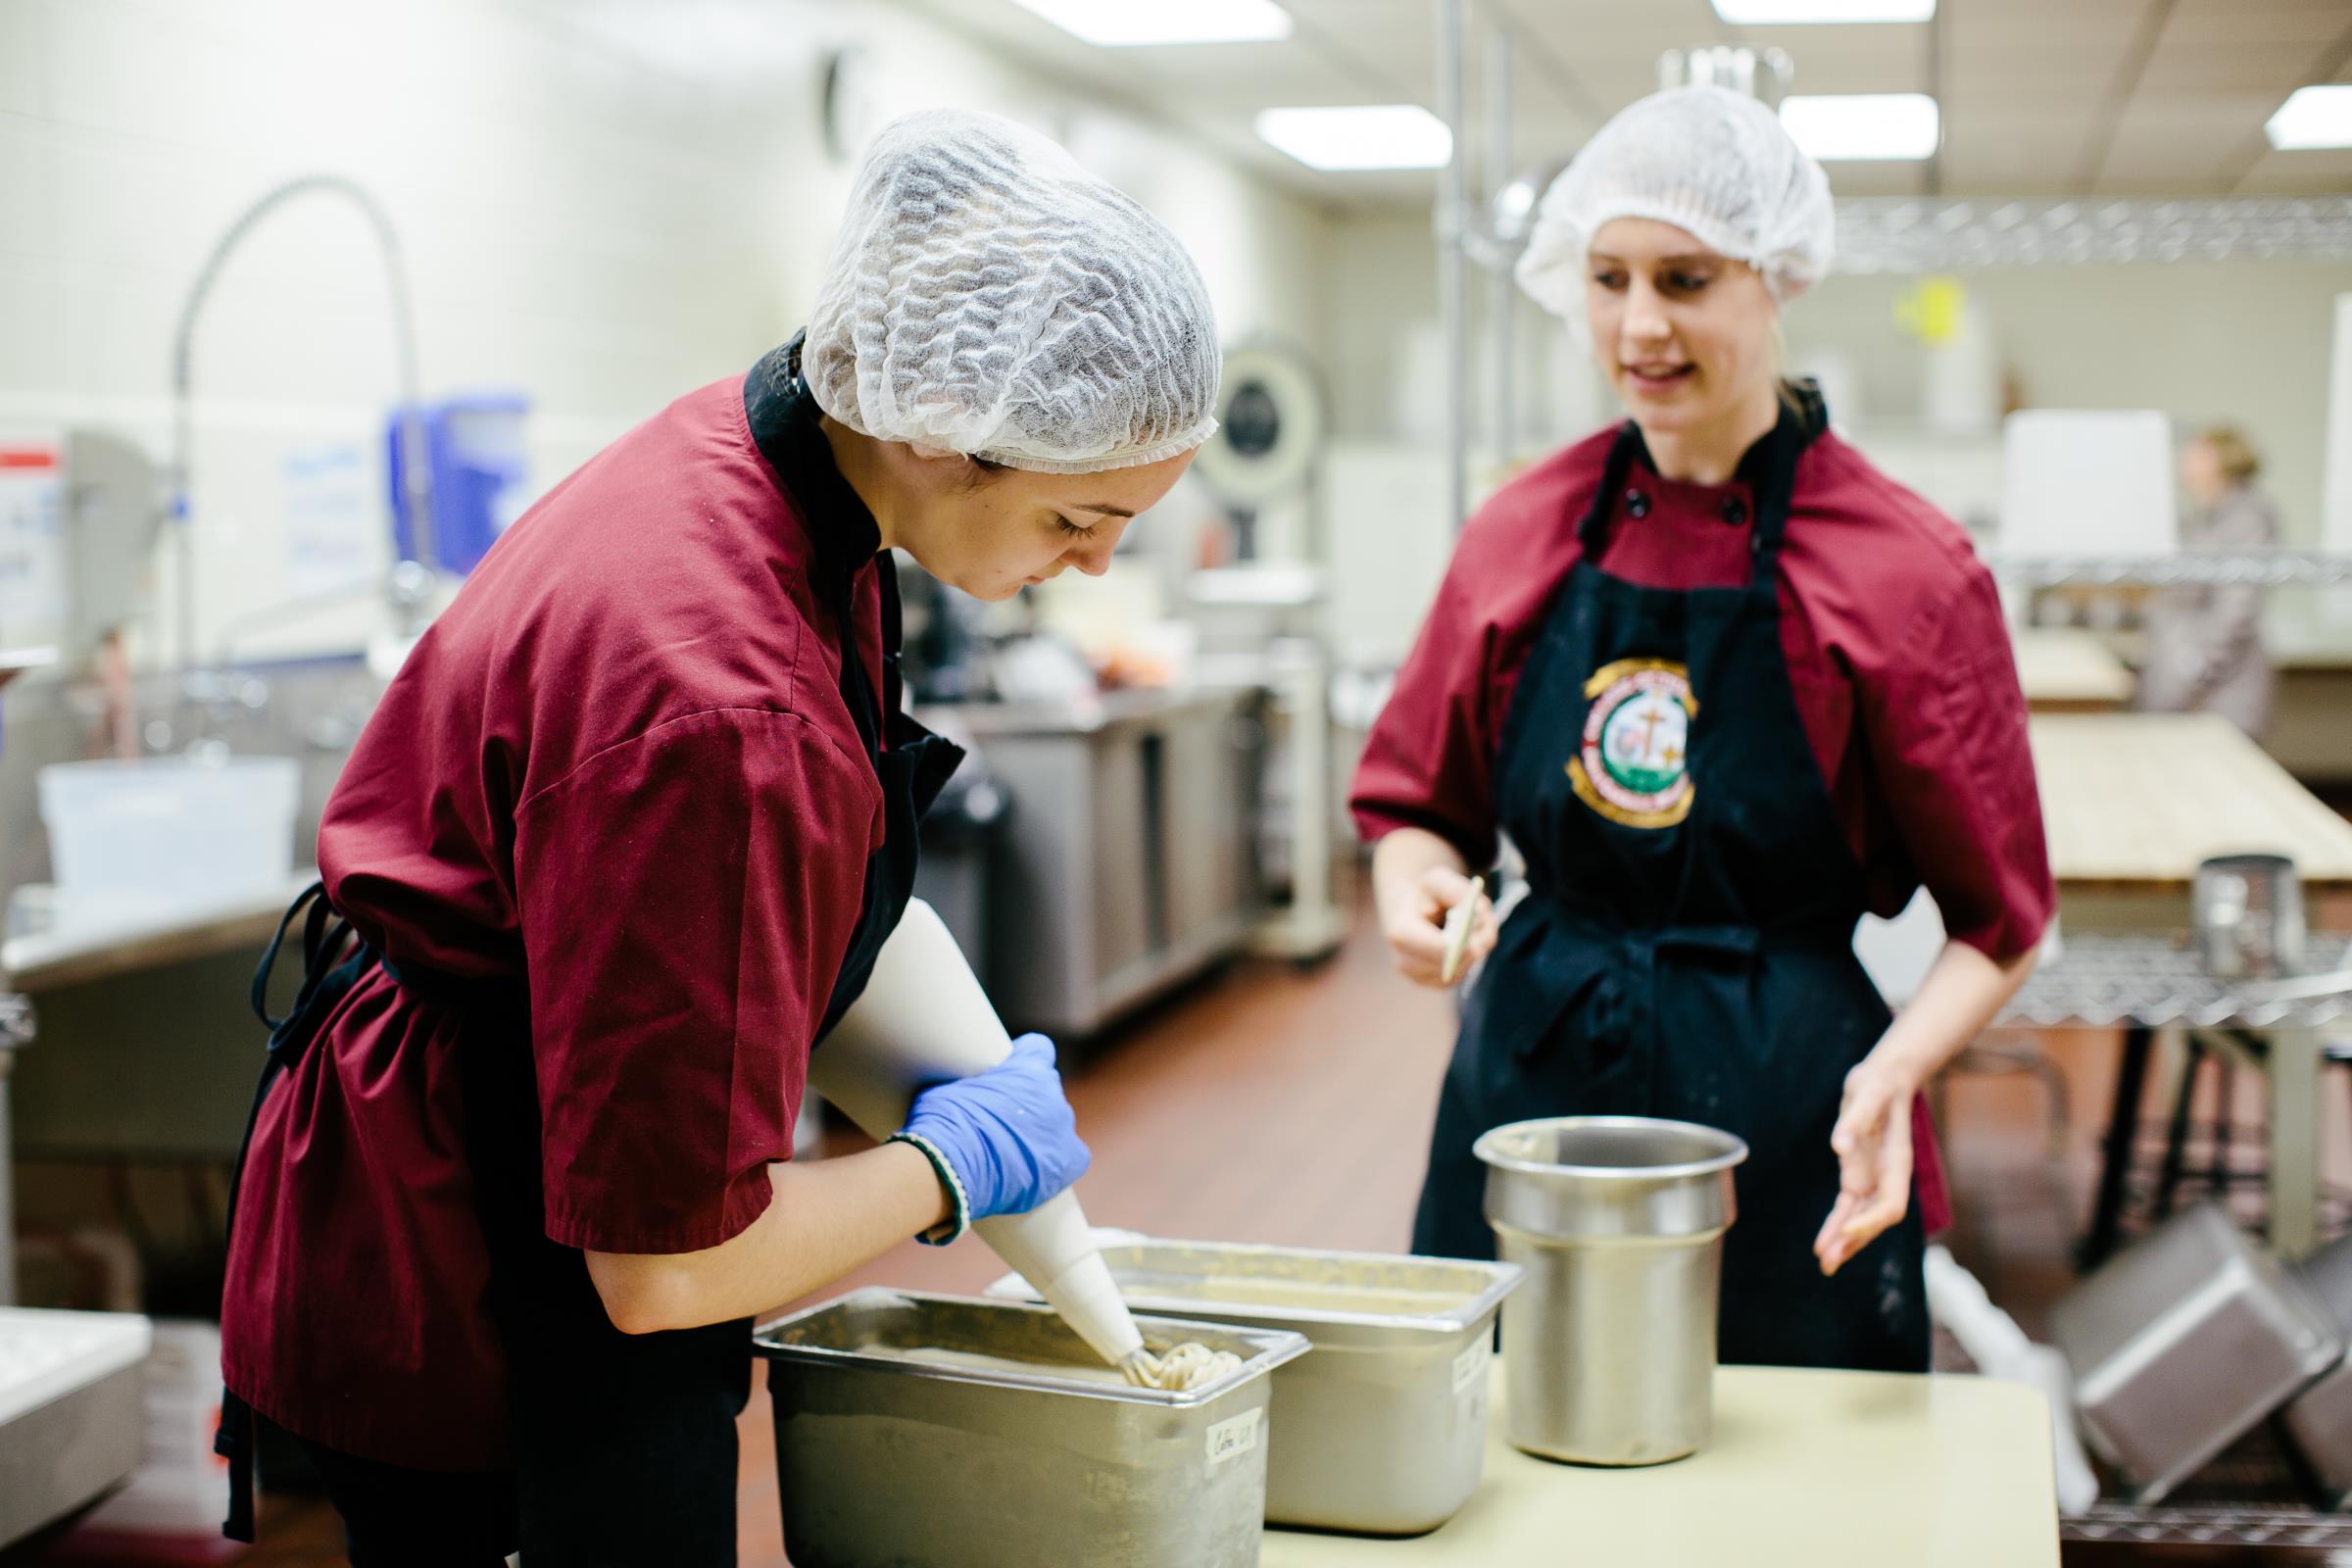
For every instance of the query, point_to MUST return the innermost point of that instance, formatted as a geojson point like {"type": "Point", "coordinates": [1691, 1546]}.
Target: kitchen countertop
{"type": "Point", "coordinates": [14, 661]}
{"type": "Point", "coordinates": [2063, 670]}
{"type": "Point", "coordinates": [44, 951]}
{"type": "Point", "coordinates": [1819, 1469]}
{"type": "Point", "coordinates": [1107, 710]}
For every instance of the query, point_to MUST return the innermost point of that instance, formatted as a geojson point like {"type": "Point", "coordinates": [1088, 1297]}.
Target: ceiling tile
{"type": "Point", "coordinates": [2257, 22]}
{"type": "Point", "coordinates": [1878, 180]}
{"type": "Point", "coordinates": [2215, 62]}
{"type": "Point", "coordinates": [2303, 173]}
{"type": "Point", "coordinates": [2023, 82]}
{"type": "Point", "coordinates": [2191, 117]}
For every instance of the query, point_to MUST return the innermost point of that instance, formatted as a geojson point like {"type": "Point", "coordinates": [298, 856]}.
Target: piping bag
{"type": "Point", "coordinates": [924, 1019]}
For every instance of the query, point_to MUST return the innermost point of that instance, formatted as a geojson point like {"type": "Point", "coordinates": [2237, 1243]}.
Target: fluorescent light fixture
{"type": "Point", "coordinates": [1805, 13]}
{"type": "Point", "coordinates": [2311, 117]}
{"type": "Point", "coordinates": [1873, 127]}
{"type": "Point", "coordinates": [1359, 136]}
{"type": "Point", "coordinates": [1126, 24]}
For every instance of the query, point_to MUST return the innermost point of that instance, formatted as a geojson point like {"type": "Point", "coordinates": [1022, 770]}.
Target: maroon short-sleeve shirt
{"type": "Point", "coordinates": [618, 770]}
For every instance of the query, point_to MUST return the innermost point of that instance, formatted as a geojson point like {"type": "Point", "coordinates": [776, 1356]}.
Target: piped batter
{"type": "Point", "coordinates": [1185, 1367]}
{"type": "Point", "coordinates": [1190, 1365]}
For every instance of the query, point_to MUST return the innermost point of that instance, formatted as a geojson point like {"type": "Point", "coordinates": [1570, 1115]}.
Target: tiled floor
{"type": "Point", "coordinates": [1284, 1104]}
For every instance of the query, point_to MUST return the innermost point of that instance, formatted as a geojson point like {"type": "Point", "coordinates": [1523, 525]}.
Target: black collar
{"type": "Point", "coordinates": [1803, 416]}
{"type": "Point", "coordinates": [783, 417]}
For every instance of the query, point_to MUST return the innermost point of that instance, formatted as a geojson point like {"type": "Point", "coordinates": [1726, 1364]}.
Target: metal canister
{"type": "Point", "coordinates": [2247, 911]}
{"type": "Point", "coordinates": [1609, 1355]}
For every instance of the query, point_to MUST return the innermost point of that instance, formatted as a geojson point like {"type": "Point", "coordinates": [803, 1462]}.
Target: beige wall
{"type": "Point", "coordinates": [603, 204]}
{"type": "Point", "coordinates": [2243, 341]}
{"type": "Point", "coordinates": [2246, 341]}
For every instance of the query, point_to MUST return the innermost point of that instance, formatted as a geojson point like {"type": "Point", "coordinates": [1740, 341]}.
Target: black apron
{"type": "Point", "coordinates": [1686, 947]}
{"type": "Point", "coordinates": [625, 1444]}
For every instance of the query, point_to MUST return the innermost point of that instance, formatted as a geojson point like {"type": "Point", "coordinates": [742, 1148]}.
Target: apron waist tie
{"type": "Point", "coordinates": [476, 995]}
{"type": "Point", "coordinates": [326, 937]}
{"type": "Point", "coordinates": [324, 983]}
{"type": "Point", "coordinates": [1562, 954]}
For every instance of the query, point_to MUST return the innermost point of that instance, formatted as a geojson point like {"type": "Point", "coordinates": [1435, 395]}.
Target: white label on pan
{"type": "Point", "coordinates": [1230, 1439]}
{"type": "Point", "coordinates": [1470, 1367]}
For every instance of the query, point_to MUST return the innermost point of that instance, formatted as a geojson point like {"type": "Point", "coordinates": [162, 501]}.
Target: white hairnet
{"type": "Point", "coordinates": [1705, 159]}
{"type": "Point", "coordinates": [988, 296]}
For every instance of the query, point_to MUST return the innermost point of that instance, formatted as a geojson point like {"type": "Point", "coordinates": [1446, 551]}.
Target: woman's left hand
{"type": "Point", "coordinates": [1872, 1144]}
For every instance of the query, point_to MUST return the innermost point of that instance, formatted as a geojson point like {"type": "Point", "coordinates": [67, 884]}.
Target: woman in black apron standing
{"type": "Point", "coordinates": [1726, 688]}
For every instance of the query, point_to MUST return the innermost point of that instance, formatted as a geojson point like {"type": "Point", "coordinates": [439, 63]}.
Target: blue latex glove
{"type": "Point", "coordinates": [1002, 1141]}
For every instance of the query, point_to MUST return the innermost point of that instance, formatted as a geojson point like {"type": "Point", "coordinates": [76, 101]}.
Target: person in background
{"type": "Point", "coordinates": [1727, 687]}
{"type": "Point", "coordinates": [2204, 640]}
{"type": "Point", "coordinates": [620, 847]}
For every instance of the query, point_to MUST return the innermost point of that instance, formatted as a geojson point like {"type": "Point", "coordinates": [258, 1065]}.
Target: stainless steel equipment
{"type": "Point", "coordinates": [2319, 1420]}
{"type": "Point", "coordinates": [1619, 1222]}
{"type": "Point", "coordinates": [2248, 911]}
{"type": "Point", "coordinates": [2184, 1341]}
{"type": "Point", "coordinates": [1127, 840]}
{"type": "Point", "coordinates": [1034, 1454]}
{"type": "Point", "coordinates": [1383, 1430]}
{"type": "Point", "coordinates": [1761, 74]}
{"type": "Point", "coordinates": [2150, 980]}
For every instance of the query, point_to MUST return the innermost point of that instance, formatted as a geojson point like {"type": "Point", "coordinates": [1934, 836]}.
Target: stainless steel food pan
{"type": "Point", "coordinates": [2319, 1420]}
{"type": "Point", "coordinates": [2183, 1342]}
{"type": "Point", "coordinates": [885, 1457]}
{"type": "Point", "coordinates": [1383, 1430]}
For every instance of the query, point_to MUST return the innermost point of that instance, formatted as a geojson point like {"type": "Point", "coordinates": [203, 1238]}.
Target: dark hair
{"type": "Point", "coordinates": [982, 471]}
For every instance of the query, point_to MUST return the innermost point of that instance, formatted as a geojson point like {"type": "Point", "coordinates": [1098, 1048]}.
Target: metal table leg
{"type": "Point", "coordinates": [15, 1032]}
{"type": "Point", "coordinates": [2123, 1132]}
{"type": "Point", "coordinates": [8, 1190]}
{"type": "Point", "coordinates": [2294, 1085]}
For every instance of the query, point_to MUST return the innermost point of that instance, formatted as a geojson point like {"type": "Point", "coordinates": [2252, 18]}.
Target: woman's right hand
{"type": "Point", "coordinates": [1008, 1135]}
{"type": "Point", "coordinates": [1413, 919]}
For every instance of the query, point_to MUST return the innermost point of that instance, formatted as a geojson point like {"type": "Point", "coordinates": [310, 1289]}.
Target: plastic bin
{"type": "Point", "coordinates": [170, 830]}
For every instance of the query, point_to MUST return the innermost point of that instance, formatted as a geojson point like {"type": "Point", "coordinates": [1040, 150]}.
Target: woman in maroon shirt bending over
{"type": "Point", "coordinates": [1727, 687]}
{"type": "Point", "coordinates": [623, 843]}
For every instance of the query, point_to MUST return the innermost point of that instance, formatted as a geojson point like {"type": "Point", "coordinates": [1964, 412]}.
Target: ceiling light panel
{"type": "Point", "coordinates": [1808, 13]}
{"type": "Point", "coordinates": [1131, 24]}
{"type": "Point", "coordinates": [1865, 127]}
{"type": "Point", "coordinates": [1359, 136]}
{"type": "Point", "coordinates": [2311, 117]}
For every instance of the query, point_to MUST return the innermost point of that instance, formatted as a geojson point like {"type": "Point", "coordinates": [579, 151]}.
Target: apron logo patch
{"type": "Point", "coordinates": [1633, 765]}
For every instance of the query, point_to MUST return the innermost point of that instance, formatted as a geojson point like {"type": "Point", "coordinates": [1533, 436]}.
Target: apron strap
{"type": "Point", "coordinates": [1803, 417]}
{"type": "Point", "coordinates": [1592, 533]}
{"type": "Point", "coordinates": [234, 1441]}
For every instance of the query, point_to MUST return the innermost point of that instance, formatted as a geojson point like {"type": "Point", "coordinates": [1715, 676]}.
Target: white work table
{"type": "Point", "coordinates": [1818, 1469]}
{"type": "Point", "coordinates": [2063, 670]}
{"type": "Point", "coordinates": [2132, 802]}
{"type": "Point", "coordinates": [42, 950]}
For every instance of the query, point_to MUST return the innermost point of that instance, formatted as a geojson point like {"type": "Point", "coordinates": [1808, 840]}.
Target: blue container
{"type": "Point", "coordinates": [481, 480]}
